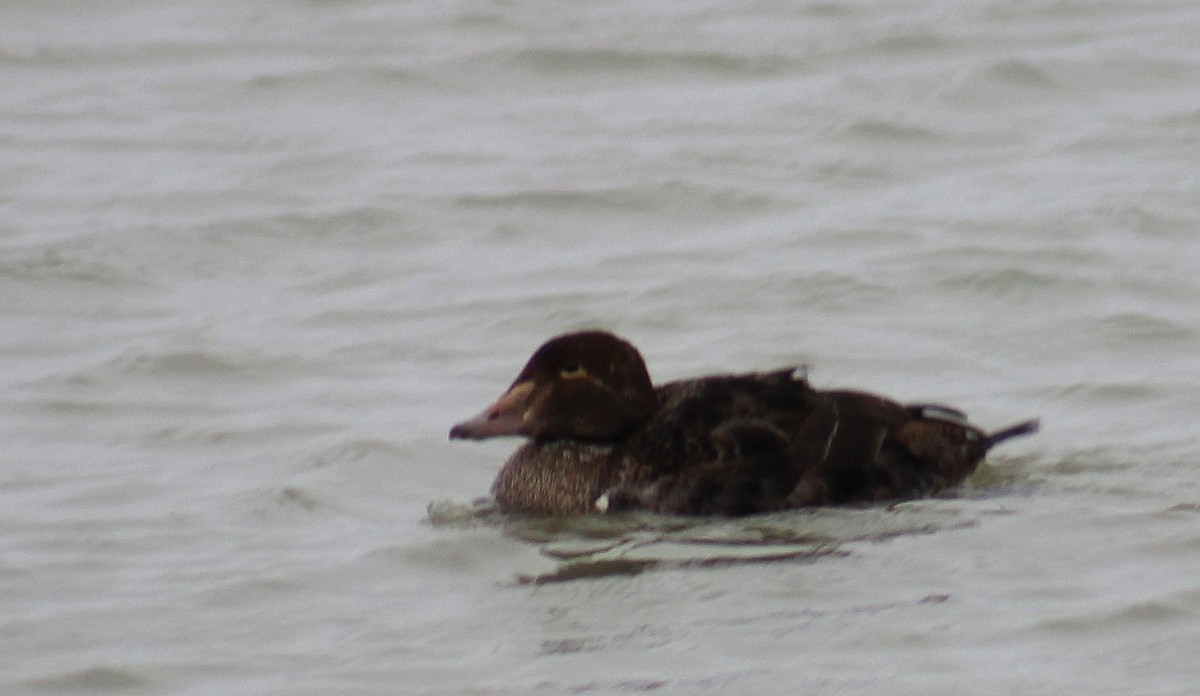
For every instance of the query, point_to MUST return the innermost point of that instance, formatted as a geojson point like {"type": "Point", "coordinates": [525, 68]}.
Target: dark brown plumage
{"type": "Point", "coordinates": [602, 438]}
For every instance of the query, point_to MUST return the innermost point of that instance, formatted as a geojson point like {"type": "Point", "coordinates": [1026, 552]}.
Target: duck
{"type": "Point", "coordinates": [602, 438]}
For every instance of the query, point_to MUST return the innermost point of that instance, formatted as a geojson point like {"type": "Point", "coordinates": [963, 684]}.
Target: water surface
{"type": "Point", "coordinates": [255, 259]}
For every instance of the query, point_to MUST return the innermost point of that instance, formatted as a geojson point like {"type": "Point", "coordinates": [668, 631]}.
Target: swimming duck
{"type": "Point", "coordinates": [603, 438]}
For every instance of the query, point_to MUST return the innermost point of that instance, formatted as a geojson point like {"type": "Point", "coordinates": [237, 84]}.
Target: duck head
{"type": "Point", "coordinates": [589, 385]}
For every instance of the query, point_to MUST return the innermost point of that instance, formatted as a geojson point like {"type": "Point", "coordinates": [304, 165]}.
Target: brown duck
{"type": "Point", "coordinates": [603, 438]}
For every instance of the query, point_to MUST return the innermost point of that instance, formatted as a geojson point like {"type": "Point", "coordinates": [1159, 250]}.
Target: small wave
{"type": "Point", "coordinates": [913, 42]}
{"type": "Point", "coordinates": [1139, 326]}
{"type": "Point", "coordinates": [1114, 392]}
{"type": "Point", "coordinates": [1020, 72]}
{"type": "Point", "coordinates": [666, 195]}
{"type": "Point", "coordinates": [202, 433]}
{"type": "Point", "coordinates": [1153, 612]}
{"type": "Point", "coordinates": [1187, 119]}
{"type": "Point", "coordinates": [297, 497]}
{"type": "Point", "coordinates": [327, 77]}
{"type": "Point", "coordinates": [561, 199]}
{"type": "Point", "coordinates": [195, 366]}
{"type": "Point", "coordinates": [99, 679]}
{"type": "Point", "coordinates": [356, 452]}
{"type": "Point", "coordinates": [996, 82]}
{"type": "Point", "coordinates": [591, 60]}
{"type": "Point", "coordinates": [56, 264]}
{"type": "Point", "coordinates": [893, 131]}
{"type": "Point", "coordinates": [372, 226]}
{"type": "Point", "coordinates": [1143, 332]}
{"type": "Point", "coordinates": [188, 364]}
{"type": "Point", "coordinates": [837, 292]}
{"type": "Point", "coordinates": [1009, 282]}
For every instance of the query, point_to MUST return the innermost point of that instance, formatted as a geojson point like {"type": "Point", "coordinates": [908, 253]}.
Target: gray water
{"type": "Point", "coordinates": [257, 257]}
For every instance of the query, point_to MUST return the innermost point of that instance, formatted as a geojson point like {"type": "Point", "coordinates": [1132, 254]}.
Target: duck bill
{"type": "Point", "coordinates": [505, 417]}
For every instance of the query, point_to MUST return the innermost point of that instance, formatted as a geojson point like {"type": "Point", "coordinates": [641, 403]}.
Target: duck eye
{"type": "Point", "coordinates": [571, 368]}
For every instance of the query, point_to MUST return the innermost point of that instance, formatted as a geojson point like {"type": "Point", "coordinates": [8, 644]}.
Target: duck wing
{"type": "Point", "coordinates": [728, 445]}
{"type": "Point", "coordinates": [856, 468]}
{"type": "Point", "coordinates": [745, 444]}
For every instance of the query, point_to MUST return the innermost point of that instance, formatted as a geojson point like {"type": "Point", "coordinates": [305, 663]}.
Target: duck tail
{"type": "Point", "coordinates": [1023, 428]}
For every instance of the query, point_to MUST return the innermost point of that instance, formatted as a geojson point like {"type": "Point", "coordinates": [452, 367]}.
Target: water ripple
{"type": "Point", "coordinates": [94, 680]}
